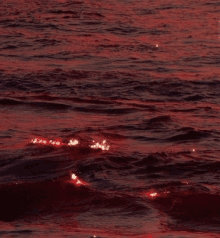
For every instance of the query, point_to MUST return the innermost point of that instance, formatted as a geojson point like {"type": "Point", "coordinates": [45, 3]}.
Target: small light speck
{"type": "Point", "coordinates": [156, 45]}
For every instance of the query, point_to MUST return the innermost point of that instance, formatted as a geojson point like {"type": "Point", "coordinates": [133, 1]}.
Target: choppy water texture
{"type": "Point", "coordinates": [139, 77]}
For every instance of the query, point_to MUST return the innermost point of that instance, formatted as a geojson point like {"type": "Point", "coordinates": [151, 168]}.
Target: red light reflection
{"type": "Point", "coordinates": [76, 181]}
{"type": "Point", "coordinates": [44, 141]}
{"type": "Point", "coordinates": [156, 194]}
{"type": "Point", "coordinates": [73, 142]}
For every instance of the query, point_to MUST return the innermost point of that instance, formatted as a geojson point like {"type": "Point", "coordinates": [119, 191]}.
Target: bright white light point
{"type": "Point", "coordinates": [73, 142]}
{"type": "Point", "coordinates": [156, 45]}
{"type": "Point", "coordinates": [78, 182]}
{"type": "Point", "coordinates": [193, 150]}
{"type": "Point", "coordinates": [57, 143]}
{"type": "Point", "coordinates": [102, 146]}
{"type": "Point", "coordinates": [153, 194]}
{"type": "Point", "coordinates": [45, 142]}
{"type": "Point", "coordinates": [74, 176]}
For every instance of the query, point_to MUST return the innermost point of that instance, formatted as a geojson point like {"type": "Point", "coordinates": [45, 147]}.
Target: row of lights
{"type": "Point", "coordinates": [103, 145]}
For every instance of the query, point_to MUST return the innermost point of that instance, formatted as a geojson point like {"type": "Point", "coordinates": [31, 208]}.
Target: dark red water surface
{"type": "Point", "coordinates": [109, 119]}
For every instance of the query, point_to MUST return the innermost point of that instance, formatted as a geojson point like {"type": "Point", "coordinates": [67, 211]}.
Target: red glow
{"type": "Point", "coordinates": [76, 181]}
{"type": "Point", "coordinates": [73, 142]}
{"type": "Point", "coordinates": [43, 141]}
{"type": "Point", "coordinates": [151, 194]}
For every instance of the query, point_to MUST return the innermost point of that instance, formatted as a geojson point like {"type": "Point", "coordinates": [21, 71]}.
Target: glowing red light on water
{"type": "Point", "coordinates": [153, 194]}
{"type": "Point", "coordinates": [73, 142]}
{"type": "Point", "coordinates": [102, 146]}
{"type": "Point", "coordinates": [39, 141]}
{"type": "Point", "coordinates": [56, 142]}
{"type": "Point", "coordinates": [76, 180]}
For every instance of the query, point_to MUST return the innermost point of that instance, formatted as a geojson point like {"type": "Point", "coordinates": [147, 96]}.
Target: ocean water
{"type": "Point", "coordinates": [110, 118]}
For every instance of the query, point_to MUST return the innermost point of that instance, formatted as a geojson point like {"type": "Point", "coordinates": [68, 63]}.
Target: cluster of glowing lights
{"type": "Point", "coordinates": [45, 142]}
{"type": "Point", "coordinates": [73, 142]}
{"type": "Point", "coordinates": [102, 146]}
{"type": "Point", "coordinates": [153, 194]}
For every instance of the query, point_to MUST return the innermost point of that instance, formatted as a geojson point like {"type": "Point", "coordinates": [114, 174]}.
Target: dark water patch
{"type": "Point", "coordinates": [7, 161]}
{"type": "Point", "coordinates": [34, 169]}
{"type": "Point", "coordinates": [185, 110]}
{"type": "Point", "coordinates": [72, 2]}
{"type": "Point", "coordinates": [122, 160]}
{"type": "Point", "coordinates": [47, 42]}
{"type": "Point", "coordinates": [149, 160]}
{"type": "Point", "coordinates": [196, 210]}
{"type": "Point", "coordinates": [18, 232]}
{"type": "Point", "coordinates": [90, 167]}
{"type": "Point", "coordinates": [206, 82]}
{"type": "Point", "coordinates": [63, 12]}
{"type": "Point", "coordinates": [14, 84]}
{"type": "Point", "coordinates": [31, 25]}
{"type": "Point", "coordinates": [145, 11]}
{"type": "Point", "coordinates": [210, 167]}
{"type": "Point", "coordinates": [45, 105]}
{"type": "Point", "coordinates": [157, 32]}
{"type": "Point", "coordinates": [93, 14]}
{"type": "Point", "coordinates": [213, 3]}
{"type": "Point", "coordinates": [5, 136]}
{"type": "Point", "coordinates": [20, 200]}
{"type": "Point", "coordinates": [123, 30]}
{"type": "Point", "coordinates": [121, 164]}
{"type": "Point", "coordinates": [194, 98]}
{"type": "Point", "coordinates": [151, 108]}
{"type": "Point", "coordinates": [92, 23]}
{"type": "Point", "coordinates": [5, 101]}
{"type": "Point", "coordinates": [116, 111]}
{"type": "Point", "coordinates": [191, 135]}
{"type": "Point", "coordinates": [9, 47]}
{"type": "Point", "coordinates": [156, 122]}
{"type": "Point", "coordinates": [49, 105]}
{"type": "Point", "coordinates": [197, 61]}
{"type": "Point", "coordinates": [115, 136]}
{"type": "Point", "coordinates": [123, 205]}
{"type": "Point", "coordinates": [91, 101]}
{"type": "Point", "coordinates": [144, 138]}
{"type": "Point", "coordinates": [170, 169]}
{"type": "Point", "coordinates": [186, 129]}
